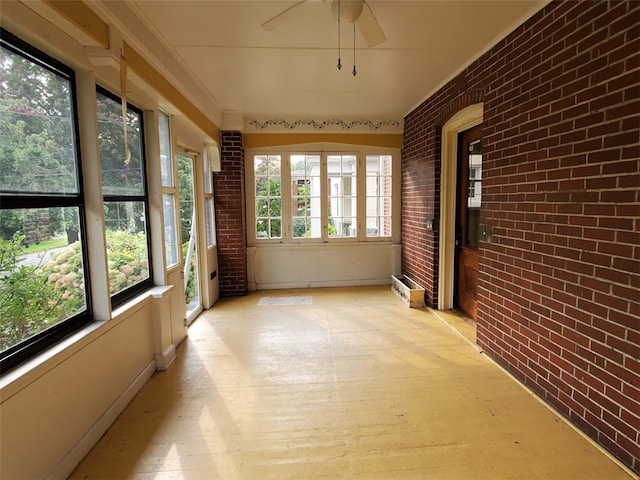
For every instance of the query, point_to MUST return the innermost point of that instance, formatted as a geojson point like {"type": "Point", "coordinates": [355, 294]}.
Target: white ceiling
{"type": "Point", "coordinates": [292, 71]}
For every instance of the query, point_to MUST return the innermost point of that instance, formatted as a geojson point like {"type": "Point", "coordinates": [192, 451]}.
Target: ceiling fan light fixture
{"type": "Point", "coordinates": [347, 10]}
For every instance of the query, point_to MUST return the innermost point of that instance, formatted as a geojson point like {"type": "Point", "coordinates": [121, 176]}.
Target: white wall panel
{"type": "Point", "coordinates": [323, 265]}
{"type": "Point", "coordinates": [57, 406]}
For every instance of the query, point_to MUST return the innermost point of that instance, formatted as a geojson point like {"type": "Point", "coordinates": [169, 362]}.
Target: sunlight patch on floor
{"type": "Point", "coordinates": [285, 301]}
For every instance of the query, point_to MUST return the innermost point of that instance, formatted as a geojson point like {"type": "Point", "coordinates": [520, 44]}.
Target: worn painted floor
{"type": "Point", "coordinates": [352, 386]}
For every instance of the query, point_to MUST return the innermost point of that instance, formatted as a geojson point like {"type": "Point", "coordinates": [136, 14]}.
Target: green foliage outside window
{"type": "Point", "coordinates": [34, 296]}
{"type": "Point", "coordinates": [31, 295]}
{"type": "Point", "coordinates": [36, 152]}
{"type": "Point", "coordinates": [269, 205]}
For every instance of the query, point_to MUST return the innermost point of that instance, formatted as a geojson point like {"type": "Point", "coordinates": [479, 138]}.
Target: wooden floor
{"type": "Point", "coordinates": [337, 384]}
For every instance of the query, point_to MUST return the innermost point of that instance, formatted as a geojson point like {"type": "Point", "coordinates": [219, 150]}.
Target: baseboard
{"type": "Point", "coordinates": [324, 284]}
{"type": "Point", "coordinates": [164, 359]}
{"type": "Point", "coordinates": [66, 466]}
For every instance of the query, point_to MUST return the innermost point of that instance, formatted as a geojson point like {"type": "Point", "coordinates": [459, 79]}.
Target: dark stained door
{"type": "Point", "coordinates": [468, 220]}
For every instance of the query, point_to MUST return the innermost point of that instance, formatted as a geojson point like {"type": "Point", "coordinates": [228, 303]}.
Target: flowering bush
{"type": "Point", "coordinates": [64, 271]}
{"type": "Point", "coordinates": [29, 301]}
{"type": "Point", "coordinates": [128, 264]}
{"type": "Point", "coordinates": [35, 295]}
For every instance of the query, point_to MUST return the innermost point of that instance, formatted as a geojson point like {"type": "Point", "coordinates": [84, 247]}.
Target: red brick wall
{"type": "Point", "coordinates": [231, 230]}
{"type": "Point", "coordinates": [559, 301]}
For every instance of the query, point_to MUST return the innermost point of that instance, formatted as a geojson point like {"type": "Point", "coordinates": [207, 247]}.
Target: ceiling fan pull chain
{"type": "Point", "coordinates": [339, 62]}
{"type": "Point", "coordinates": [354, 49]}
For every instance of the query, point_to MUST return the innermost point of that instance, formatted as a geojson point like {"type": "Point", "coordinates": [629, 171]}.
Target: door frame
{"type": "Point", "coordinates": [463, 120]}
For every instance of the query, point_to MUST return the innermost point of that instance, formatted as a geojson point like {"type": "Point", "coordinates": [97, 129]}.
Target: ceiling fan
{"type": "Point", "coordinates": [351, 11]}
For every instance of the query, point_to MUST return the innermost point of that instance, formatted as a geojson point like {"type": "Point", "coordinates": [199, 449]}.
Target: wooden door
{"type": "Point", "coordinates": [468, 220]}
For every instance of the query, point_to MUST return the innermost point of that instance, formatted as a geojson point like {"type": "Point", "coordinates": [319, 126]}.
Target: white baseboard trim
{"type": "Point", "coordinates": [164, 359]}
{"type": "Point", "coordinates": [66, 466]}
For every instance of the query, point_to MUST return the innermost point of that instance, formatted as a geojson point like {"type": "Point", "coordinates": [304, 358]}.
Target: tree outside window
{"type": "Point", "coordinates": [268, 195]}
{"type": "Point", "coordinates": [42, 268]}
{"type": "Point", "coordinates": [125, 197]}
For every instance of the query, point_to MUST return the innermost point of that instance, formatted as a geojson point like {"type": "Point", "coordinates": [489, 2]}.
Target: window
{"type": "Point", "coordinates": [168, 192]}
{"type": "Point", "coordinates": [43, 276]}
{"type": "Point", "coordinates": [322, 197]}
{"type": "Point", "coordinates": [125, 198]}
{"type": "Point", "coordinates": [341, 170]}
{"type": "Point", "coordinates": [379, 198]}
{"type": "Point", "coordinates": [268, 196]}
{"type": "Point", "coordinates": [306, 221]}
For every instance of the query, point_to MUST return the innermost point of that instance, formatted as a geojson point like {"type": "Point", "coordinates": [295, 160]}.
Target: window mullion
{"type": "Point", "coordinates": [94, 206]}
{"type": "Point", "coordinates": [155, 196]}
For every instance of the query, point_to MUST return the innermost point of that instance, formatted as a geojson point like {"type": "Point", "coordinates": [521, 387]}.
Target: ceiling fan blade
{"type": "Point", "coordinates": [274, 22]}
{"type": "Point", "coordinates": [369, 27]}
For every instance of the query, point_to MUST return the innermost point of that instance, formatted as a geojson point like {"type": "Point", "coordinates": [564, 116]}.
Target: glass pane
{"type": "Point", "coordinates": [170, 234]}
{"type": "Point", "coordinates": [372, 186]}
{"type": "Point", "coordinates": [276, 231]}
{"type": "Point", "coordinates": [41, 271]}
{"type": "Point", "coordinates": [166, 165]}
{"type": "Point", "coordinates": [208, 176]}
{"type": "Point", "coordinates": [274, 187]}
{"type": "Point", "coordinates": [300, 227]}
{"type": "Point", "coordinates": [262, 186]}
{"type": "Point", "coordinates": [262, 207]}
{"type": "Point", "coordinates": [37, 147]}
{"type": "Point", "coordinates": [262, 228]}
{"type": "Point", "coordinates": [274, 207]}
{"type": "Point", "coordinates": [127, 252]}
{"type": "Point", "coordinates": [372, 206]}
{"type": "Point", "coordinates": [474, 193]}
{"type": "Point", "coordinates": [208, 218]}
{"type": "Point", "coordinates": [372, 227]}
{"type": "Point", "coordinates": [187, 202]}
{"type": "Point", "coordinates": [122, 173]}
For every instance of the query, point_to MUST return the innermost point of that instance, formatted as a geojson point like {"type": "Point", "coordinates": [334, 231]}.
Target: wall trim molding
{"type": "Point", "coordinates": [322, 124]}
{"type": "Point", "coordinates": [327, 124]}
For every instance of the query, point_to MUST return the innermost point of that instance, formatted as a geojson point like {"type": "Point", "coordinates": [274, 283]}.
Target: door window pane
{"type": "Point", "coordinates": [474, 193]}
{"type": "Point", "coordinates": [209, 222]}
{"type": "Point", "coordinates": [166, 164]}
{"type": "Point", "coordinates": [208, 200]}
{"type": "Point", "coordinates": [170, 234]}
{"type": "Point", "coordinates": [208, 178]}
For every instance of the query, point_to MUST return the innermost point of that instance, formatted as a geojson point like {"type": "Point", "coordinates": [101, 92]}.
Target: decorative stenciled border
{"type": "Point", "coordinates": [319, 125]}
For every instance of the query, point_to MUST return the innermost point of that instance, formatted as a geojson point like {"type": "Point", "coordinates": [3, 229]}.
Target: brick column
{"type": "Point", "coordinates": [231, 225]}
